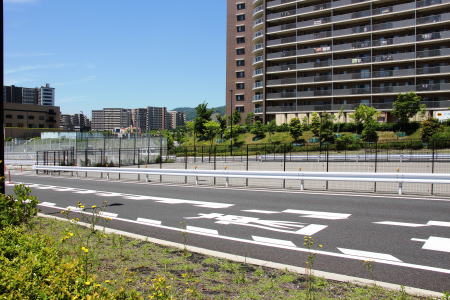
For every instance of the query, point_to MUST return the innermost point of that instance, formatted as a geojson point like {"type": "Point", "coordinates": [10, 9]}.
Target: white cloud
{"type": "Point", "coordinates": [33, 68]}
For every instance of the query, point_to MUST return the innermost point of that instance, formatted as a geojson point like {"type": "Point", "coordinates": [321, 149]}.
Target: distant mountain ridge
{"type": "Point", "coordinates": [190, 111]}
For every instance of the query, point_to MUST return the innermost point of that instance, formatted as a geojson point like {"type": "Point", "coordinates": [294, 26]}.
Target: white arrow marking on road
{"type": "Point", "coordinates": [148, 221]}
{"type": "Point", "coordinates": [400, 224]}
{"type": "Point", "coordinates": [436, 244]}
{"type": "Point", "coordinates": [268, 212]}
{"type": "Point", "coordinates": [108, 214]}
{"type": "Point", "coordinates": [311, 229]}
{"type": "Point", "coordinates": [273, 241]}
{"type": "Point", "coordinates": [202, 230]}
{"type": "Point", "coordinates": [438, 223]}
{"type": "Point", "coordinates": [47, 204]}
{"type": "Point", "coordinates": [318, 214]}
{"type": "Point", "coordinates": [369, 255]}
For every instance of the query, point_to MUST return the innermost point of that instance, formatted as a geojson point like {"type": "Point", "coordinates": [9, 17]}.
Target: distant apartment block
{"type": "Point", "coordinates": [76, 122]}
{"type": "Point", "coordinates": [156, 118]}
{"type": "Point", "coordinates": [45, 95]}
{"type": "Point", "coordinates": [109, 118]}
{"type": "Point", "coordinates": [31, 116]}
{"type": "Point", "coordinates": [176, 119]}
{"type": "Point", "coordinates": [289, 58]}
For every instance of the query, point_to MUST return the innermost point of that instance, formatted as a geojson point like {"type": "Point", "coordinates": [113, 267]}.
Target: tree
{"type": "Point", "coordinates": [364, 116]}
{"type": "Point", "coordinates": [212, 128]}
{"type": "Point", "coordinates": [295, 129]}
{"type": "Point", "coordinates": [236, 117]}
{"type": "Point", "coordinates": [258, 130]}
{"type": "Point", "coordinates": [250, 119]}
{"type": "Point", "coordinates": [315, 124]}
{"type": "Point", "coordinates": [271, 128]}
{"type": "Point", "coordinates": [203, 115]}
{"type": "Point", "coordinates": [429, 128]}
{"type": "Point", "coordinates": [369, 133]}
{"type": "Point", "coordinates": [322, 127]}
{"type": "Point", "coordinates": [406, 106]}
{"type": "Point", "coordinates": [223, 125]}
{"type": "Point", "coordinates": [233, 133]}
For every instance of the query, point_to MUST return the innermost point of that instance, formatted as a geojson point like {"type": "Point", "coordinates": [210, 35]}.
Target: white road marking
{"type": "Point", "coordinates": [202, 230]}
{"type": "Point", "coordinates": [148, 221]}
{"type": "Point", "coordinates": [73, 208]}
{"type": "Point", "coordinates": [45, 187]}
{"type": "Point", "coordinates": [439, 223]}
{"type": "Point", "coordinates": [437, 244]}
{"type": "Point", "coordinates": [273, 241]}
{"type": "Point", "coordinates": [85, 192]}
{"type": "Point", "coordinates": [109, 194]}
{"type": "Point", "coordinates": [138, 197]}
{"type": "Point", "coordinates": [304, 250]}
{"type": "Point", "coordinates": [65, 189]}
{"type": "Point", "coordinates": [311, 229]}
{"type": "Point", "coordinates": [418, 240]}
{"type": "Point", "coordinates": [318, 214]}
{"type": "Point", "coordinates": [369, 255]}
{"type": "Point", "coordinates": [400, 224]}
{"type": "Point", "coordinates": [108, 214]}
{"type": "Point", "coordinates": [268, 212]}
{"type": "Point", "coordinates": [47, 204]}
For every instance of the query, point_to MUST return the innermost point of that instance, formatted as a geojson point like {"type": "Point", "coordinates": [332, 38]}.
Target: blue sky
{"type": "Point", "coordinates": [118, 53]}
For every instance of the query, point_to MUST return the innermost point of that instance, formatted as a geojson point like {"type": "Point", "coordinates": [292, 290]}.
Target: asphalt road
{"type": "Point", "coordinates": [407, 238]}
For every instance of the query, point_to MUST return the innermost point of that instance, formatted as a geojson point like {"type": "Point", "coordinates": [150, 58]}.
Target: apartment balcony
{"type": "Point", "coordinates": [282, 14]}
{"type": "Point", "coordinates": [258, 97]}
{"type": "Point", "coordinates": [257, 2]}
{"type": "Point", "coordinates": [258, 85]}
{"type": "Point", "coordinates": [282, 95]}
{"type": "Point", "coordinates": [310, 65]}
{"type": "Point", "coordinates": [258, 22]}
{"type": "Point", "coordinates": [353, 91]}
{"type": "Point", "coordinates": [258, 47]}
{"type": "Point", "coordinates": [286, 40]}
{"type": "Point", "coordinates": [433, 53]}
{"type": "Point", "coordinates": [352, 46]}
{"type": "Point", "coordinates": [258, 110]}
{"type": "Point", "coordinates": [394, 41]}
{"type": "Point", "coordinates": [258, 72]}
{"type": "Point", "coordinates": [314, 36]}
{"type": "Point", "coordinates": [258, 59]}
{"type": "Point", "coordinates": [426, 3]}
{"type": "Point", "coordinates": [433, 36]}
{"type": "Point", "coordinates": [348, 2]}
{"type": "Point", "coordinates": [281, 27]}
{"type": "Point", "coordinates": [433, 87]}
{"type": "Point", "coordinates": [433, 19]}
{"type": "Point", "coordinates": [282, 54]}
{"type": "Point", "coordinates": [283, 81]}
{"type": "Point", "coordinates": [315, 22]}
{"type": "Point", "coordinates": [258, 10]}
{"type": "Point", "coordinates": [350, 16]}
{"type": "Point", "coordinates": [313, 8]}
{"type": "Point", "coordinates": [279, 2]}
{"type": "Point", "coordinates": [259, 34]}
{"type": "Point", "coordinates": [282, 68]}
{"type": "Point", "coordinates": [315, 93]}
{"type": "Point", "coordinates": [315, 79]}
{"type": "Point", "coordinates": [394, 73]}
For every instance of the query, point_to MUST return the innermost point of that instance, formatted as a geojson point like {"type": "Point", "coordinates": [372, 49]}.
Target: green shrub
{"type": "Point", "coordinates": [18, 208]}
{"type": "Point", "coordinates": [348, 142]}
{"type": "Point", "coordinates": [32, 268]}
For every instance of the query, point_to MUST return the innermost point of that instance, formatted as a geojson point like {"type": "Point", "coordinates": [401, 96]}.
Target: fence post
{"type": "Point", "coordinates": [246, 167]}
{"type": "Point", "coordinates": [284, 164]}
{"type": "Point", "coordinates": [227, 180]}
{"type": "Point", "coordinates": [215, 157]}
{"type": "Point", "coordinates": [120, 154]}
{"type": "Point", "coordinates": [376, 166]}
{"type": "Point", "coordinates": [433, 149]}
{"type": "Point", "coordinates": [202, 154]}
{"type": "Point", "coordinates": [327, 154]}
{"type": "Point", "coordinates": [185, 163]}
{"type": "Point", "coordinates": [160, 160]}
{"type": "Point", "coordinates": [37, 161]}
{"type": "Point", "coordinates": [139, 165]}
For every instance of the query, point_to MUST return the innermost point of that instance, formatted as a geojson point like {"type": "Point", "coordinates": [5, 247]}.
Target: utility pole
{"type": "Point", "coordinates": [2, 115]}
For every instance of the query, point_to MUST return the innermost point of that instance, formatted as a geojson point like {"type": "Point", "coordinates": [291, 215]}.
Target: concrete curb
{"type": "Point", "coordinates": [262, 263]}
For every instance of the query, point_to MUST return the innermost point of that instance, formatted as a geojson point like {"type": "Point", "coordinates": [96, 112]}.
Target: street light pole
{"type": "Point", "coordinates": [231, 122]}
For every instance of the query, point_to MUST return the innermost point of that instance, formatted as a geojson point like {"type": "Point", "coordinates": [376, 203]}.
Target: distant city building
{"type": "Point", "coordinates": [156, 118]}
{"type": "Point", "coordinates": [176, 119]}
{"type": "Point", "coordinates": [31, 116]}
{"type": "Point", "coordinates": [45, 95]}
{"type": "Point", "coordinates": [139, 118]}
{"type": "Point", "coordinates": [109, 118]}
{"type": "Point", "coordinates": [76, 122]}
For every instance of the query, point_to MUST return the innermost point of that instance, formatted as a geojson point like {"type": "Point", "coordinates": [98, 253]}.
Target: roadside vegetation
{"type": "Point", "coordinates": [44, 258]}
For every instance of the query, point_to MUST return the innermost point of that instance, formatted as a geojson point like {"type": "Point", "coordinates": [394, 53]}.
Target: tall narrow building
{"type": "Point", "coordinates": [295, 57]}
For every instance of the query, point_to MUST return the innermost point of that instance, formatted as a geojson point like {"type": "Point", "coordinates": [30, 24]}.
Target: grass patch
{"type": "Point", "coordinates": [124, 264]}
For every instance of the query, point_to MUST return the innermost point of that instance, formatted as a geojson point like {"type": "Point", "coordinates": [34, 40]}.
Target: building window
{"type": "Point", "coordinates": [20, 117]}
{"type": "Point", "coordinates": [240, 98]}
{"type": "Point", "coordinates": [240, 6]}
{"type": "Point", "coordinates": [240, 109]}
{"type": "Point", "coordinates": [8, 124]}
{"type": "Point", "coordinates": [240, 74]}
{"type": "Point", "coordinates": [240, 51]}
{"type": "Point", "coordinates": [20, 125]}
{"type": "Point", "coordinates": [240, 17]}
{"type": "Point", "coordinates": [240, 28]}
{"type": "Point", "coordinates": [240, 40]}
{"type": "Point", "coordinates": [240, 63]}
{"type": "Point", "coordinates": [9, 116]}
{"type": "Point", "coordinates": [41, 125]}
{"type": "Point", "coordinates": [240, 86]}
{"type": "Point", "coordinates": [42, 118]}
{"type": "Point", "coordinates": [30, 125]}
{"type": "Point", "coordinates": [30, 117]}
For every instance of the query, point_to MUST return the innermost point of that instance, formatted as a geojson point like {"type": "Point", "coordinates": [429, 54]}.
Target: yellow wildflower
{"type": "Point", "coordinates": [84, 249]}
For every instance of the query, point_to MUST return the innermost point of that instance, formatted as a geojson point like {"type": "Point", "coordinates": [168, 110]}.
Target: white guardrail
{"type": "Point", "coordinates": [301, 176]}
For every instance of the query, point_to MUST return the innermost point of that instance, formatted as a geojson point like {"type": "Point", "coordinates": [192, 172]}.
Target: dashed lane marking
{"type": "Point", "coordinates": [438, 223]}
{"type": "Point", "coordinates": [400, 224]}
{"type": "Point", "coordinates": [435, 243]}
{"type": "Point", "coordinates": [318, 214]}
{"type": "Point", "coordinates": [202, 230]}
{"type": "Point", "coordinates": [273, 241]}
{"type": "Point", "coordinates": [148, 221]}
{"type": "Point", "coordinates": [257, 211]}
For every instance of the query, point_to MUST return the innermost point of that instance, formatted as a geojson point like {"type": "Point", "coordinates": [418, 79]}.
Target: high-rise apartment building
{"type": "Point", "coordinates": [76, 122]}
{"type": "Point", "coordinates": [176, 119]}
{"type": "Point", "coordinates": [45, 95]}
{"type": "Point", "coordinates": [289, 58]}
{"type": "Point", "coordinates": [156, 118]}
{"type": "Point", "coordinates": [109, 118]}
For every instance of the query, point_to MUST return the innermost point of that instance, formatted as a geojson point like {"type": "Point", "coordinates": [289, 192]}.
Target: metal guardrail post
{"type": "Point", "coordinates": [215, 157]}
{"type": "Point", "coordinates": [185, 162]}
{"type": "Point", "coordinates": [196, 177]}
{"type": "Point", "coordinates": [246, 168]}
{"type": "Point", "coordinates": [284, 165]}
{"type": "Point", "coordinates": [227, 179]}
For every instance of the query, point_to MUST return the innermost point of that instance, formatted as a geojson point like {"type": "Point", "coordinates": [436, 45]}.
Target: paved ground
{"type": "Point", "coordinates": [407, 238]}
